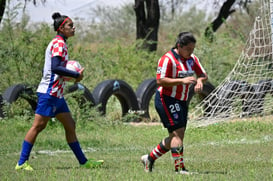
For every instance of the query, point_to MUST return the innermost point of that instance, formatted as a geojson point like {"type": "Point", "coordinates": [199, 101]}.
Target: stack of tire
{"type": "Point", "coordinates": [130, 101]}
{"type": "Point", "coordinates": [27, 92]}
{"type": "Point", "coordinates": [221, 101]}
{"type": "Point", "coordinates": [252, 97]}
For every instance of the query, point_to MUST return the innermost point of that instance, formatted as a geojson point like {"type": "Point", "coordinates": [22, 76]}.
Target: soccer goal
{"type": "Point", "coordinates": [248, 88]}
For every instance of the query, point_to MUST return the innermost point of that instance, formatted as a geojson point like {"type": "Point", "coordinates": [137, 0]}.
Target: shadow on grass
{"type": "Point", "coordinates": [66, 168]}
{"type": "Point", "coordinates": [71, 167]}
{"type": "Point", "coordinates": [209, 172]}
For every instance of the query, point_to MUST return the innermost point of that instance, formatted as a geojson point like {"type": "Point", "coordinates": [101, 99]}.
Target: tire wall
{"type": "Point", "coordinates": [252, 95]}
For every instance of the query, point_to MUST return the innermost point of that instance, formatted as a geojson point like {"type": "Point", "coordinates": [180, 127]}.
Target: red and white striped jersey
{"type": "Point", "coordinates": [52, 83]}
{"type": "Point", "coordinates": [171, 65]}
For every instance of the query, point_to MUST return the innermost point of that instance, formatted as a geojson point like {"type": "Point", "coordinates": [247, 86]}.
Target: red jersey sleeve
{"type": "Point", "coordinates": [198, 67]}
{"type": "Point", "coordinates": [164, 68]}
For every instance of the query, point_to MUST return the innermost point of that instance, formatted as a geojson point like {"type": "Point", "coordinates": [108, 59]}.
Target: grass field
{"type": "Point", "coordinates": [240, 150]}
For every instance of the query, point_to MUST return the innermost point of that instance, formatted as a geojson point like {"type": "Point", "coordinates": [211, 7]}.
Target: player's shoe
{"type": "Point", "coordinates": [148, 165]}
{"type": "Point", "coordinates": [183, 171]}
{"type": "Point", "coordinates": [91, 163]}
{"type": "Point", "coordinates": [24, 166]}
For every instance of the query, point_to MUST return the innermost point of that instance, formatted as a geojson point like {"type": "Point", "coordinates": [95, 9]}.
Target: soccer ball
{"type": "Point", "coordinates": [74, 66]}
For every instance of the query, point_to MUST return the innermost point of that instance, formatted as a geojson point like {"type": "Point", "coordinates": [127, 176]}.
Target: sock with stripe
{"type": "Point", "coordinates": [177, 154]}
{"type": "Point", "coordinates": [76, 148]}
{"type": "Point", "coordinates": [26, 149]}
{"type": "Point", "coordinates": [157, 152]}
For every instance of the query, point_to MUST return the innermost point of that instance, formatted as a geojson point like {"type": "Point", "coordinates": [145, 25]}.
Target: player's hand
{"type": "Point", "coordinates": [189, 80]}
{"type": "Point", "coordinates": [198, 87]}
{"type": "Point", "coordinates": [80, 76]}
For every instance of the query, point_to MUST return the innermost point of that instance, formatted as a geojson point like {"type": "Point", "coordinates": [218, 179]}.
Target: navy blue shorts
{"type": "Point", "coordinates": [50, 106]}
{"type": "Point", "coordinates": [172, 112]}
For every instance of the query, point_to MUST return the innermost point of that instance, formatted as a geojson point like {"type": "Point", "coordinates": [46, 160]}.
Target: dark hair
{"type": "Point", "coordinates": [58, 20]}
{"type": "Point", "coordinates": [184, 38]}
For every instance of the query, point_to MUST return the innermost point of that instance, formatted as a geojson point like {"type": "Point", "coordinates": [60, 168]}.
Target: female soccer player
{"type": "Point", "coordinates": [175, 74]}
{"type": "Point", "coordinates": [51, 102]}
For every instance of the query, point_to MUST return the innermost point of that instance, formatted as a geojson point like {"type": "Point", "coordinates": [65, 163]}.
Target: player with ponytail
{"type": "Point", "coordinates": [175, 74]}
{"type": "Point", "coordinates": [51, 102]}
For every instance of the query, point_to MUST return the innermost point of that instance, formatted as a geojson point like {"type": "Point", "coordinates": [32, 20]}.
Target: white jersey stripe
{"type": "Point", "coordinates": [198, 62]}
{"type": "Point", "coordinates": [164, 68]}
{"type": "Point", "coordinates": [174, 73]}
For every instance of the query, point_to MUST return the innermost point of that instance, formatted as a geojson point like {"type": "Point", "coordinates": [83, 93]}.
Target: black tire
{"type": "Point", "coordinates": [253, 101]}
{"type": "Point", "coordinates": [228, 91]}
{"type": "Point", "coordinates": [207, 89]}
{"type": "Point", "coordinates": [86, 96]}
{"type": "Point", "coordinates": [1, 107]}
{"type": "Point", "coordinates": [144, 93]}
{"type": "Point", "coordinates": [124, 93]}
{"type": "Point", "coordinates": [12, 93]}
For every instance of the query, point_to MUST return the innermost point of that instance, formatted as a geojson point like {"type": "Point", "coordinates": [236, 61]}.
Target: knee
{"type": "Point", "coordinates": [39, 128]}
{"type": "Point", "coordinates": [179, 133]}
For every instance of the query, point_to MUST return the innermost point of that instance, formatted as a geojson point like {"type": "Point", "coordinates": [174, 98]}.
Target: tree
{"type": "Point", "coordinates": [224, 13]}
{"type": "Point", "coordinates": [2, 8]}
{"type": "Point", "coordinates": [147, 25]}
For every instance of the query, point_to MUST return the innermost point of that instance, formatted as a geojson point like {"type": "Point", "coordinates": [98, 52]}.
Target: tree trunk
{"type": "Point", "coordinates": [222, 16]}
{"type": "Point", "coordinates": [2, 9]}
{"type": "Point", "coordinates": [147, 25]}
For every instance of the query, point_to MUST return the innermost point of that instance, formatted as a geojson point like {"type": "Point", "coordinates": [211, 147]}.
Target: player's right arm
{"type": "Point", "coordinates": [80, 76]}
{"type": "Point", "coordinates": [169, 82]}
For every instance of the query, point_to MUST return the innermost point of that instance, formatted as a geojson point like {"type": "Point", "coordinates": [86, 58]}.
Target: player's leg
{"type": "Point", "coordinates": [38, 125]}
{"type": "Point", "coordinates": [178, 131]}
{"type": "Point", "coordinates": [164, 146]}
{"type": "Point", "coordinates": [177, 150]}
{"type": "Point", "coordinates": [149, 159]}
{"type": "Point", "coordinates": [70, 132]}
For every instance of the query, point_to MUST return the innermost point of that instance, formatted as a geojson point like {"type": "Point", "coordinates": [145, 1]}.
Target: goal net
{"type": "Point", "coordinates": [247, 90]}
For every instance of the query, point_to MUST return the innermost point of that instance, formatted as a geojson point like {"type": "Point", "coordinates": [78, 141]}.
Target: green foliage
{"type": "Point", "coordinates": [192, 20]}
{"type": "Point", "coordinates": [107, 49]}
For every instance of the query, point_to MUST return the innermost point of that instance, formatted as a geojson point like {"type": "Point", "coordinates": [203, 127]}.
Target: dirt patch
{"type": "Point", "coordinates": [145, 123]}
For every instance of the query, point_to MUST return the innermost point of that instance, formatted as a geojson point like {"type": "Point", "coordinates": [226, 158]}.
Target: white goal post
{"type": "Point", "coordinates": [248, 89]}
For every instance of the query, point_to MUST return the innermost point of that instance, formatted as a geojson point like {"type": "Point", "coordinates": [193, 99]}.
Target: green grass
{"type": "Point", "coordinates": [227, 151]}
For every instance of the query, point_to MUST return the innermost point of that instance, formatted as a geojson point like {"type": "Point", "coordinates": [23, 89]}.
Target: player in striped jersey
{"type": "Point", "coordinates": [51, 102]}
{"type": "Point", "coordinates": [175, 73]}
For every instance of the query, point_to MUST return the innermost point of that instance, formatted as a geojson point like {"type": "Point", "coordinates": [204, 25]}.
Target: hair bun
{"type": "Point", "coordinates": [56, 15]}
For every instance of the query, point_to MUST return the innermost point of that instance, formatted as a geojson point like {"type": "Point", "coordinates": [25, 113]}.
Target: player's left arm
{"type": "Point", "coordinates": [202, 76]}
